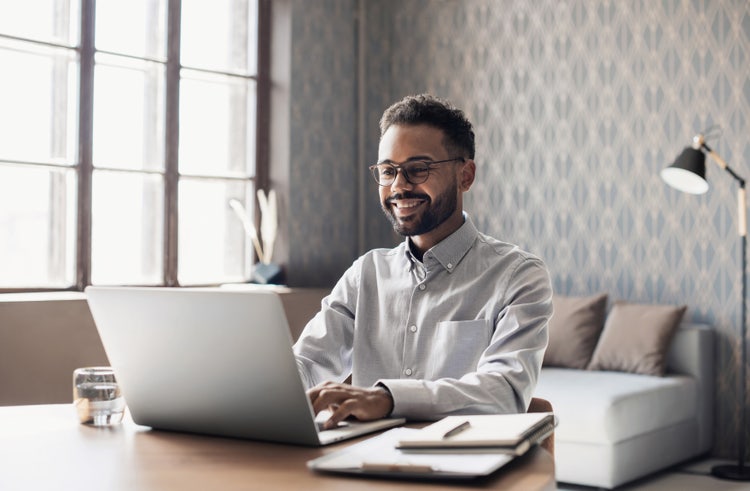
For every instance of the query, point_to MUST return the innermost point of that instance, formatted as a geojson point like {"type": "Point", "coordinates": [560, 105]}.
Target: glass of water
{"type": "Point", "coordinates": [97, 397]}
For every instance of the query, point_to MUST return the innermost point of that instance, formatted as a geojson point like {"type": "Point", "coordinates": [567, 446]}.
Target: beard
{"type": "Point", "coordinates": [435, 213]}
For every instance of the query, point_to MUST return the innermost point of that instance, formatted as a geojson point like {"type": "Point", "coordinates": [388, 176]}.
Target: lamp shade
{"type": "Point", "coordinates": [688, 173]}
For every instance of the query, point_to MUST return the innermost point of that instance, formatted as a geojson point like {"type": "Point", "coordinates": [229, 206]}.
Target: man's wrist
{"type": "Point", "coordinates": [380, 386]}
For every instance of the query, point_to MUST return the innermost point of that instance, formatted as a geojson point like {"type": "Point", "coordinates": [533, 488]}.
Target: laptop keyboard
{"type": "Point", "coordinates": [320, 424]}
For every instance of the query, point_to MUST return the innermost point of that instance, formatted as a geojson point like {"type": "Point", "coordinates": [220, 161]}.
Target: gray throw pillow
{"type": "Point", "coordinates": [636, 338]}
{"type": "Point", "coordinates": [574, 330]}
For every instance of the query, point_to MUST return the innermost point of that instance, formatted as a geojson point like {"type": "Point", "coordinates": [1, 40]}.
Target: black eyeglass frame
{"type": "Point", "coordinates": [400, 167]}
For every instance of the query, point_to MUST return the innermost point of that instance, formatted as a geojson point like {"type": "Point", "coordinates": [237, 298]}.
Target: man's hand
{"type": "Point", "coordinates": [345, 400]}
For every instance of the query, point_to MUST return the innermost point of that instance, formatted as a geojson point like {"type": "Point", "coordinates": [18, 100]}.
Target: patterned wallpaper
{"type": "Point", "coordinates": [577, 105]}
{"type": "Point", "coordinates": [323, 175]}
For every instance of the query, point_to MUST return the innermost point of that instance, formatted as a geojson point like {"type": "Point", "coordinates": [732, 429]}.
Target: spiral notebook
{"type": "Point", "coordinates": [505, 433]}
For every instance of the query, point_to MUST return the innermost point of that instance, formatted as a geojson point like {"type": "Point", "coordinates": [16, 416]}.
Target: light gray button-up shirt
{"type": "Point", "coordinates": [461, 332]}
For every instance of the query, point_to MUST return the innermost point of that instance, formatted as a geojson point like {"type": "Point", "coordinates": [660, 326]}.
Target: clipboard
{"type": "Point", "coordinates": [378, 456]}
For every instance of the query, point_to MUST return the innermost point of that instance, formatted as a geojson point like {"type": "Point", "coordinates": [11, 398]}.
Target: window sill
{"type": "Point", "coordinates": [41, 296]}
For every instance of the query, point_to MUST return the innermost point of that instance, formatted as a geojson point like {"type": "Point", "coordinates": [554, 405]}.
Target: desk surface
{"type": "Point", "coordinates": [44, 447]}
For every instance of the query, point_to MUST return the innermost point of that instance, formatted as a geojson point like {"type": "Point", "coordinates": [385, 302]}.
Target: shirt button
{"type": "Point", "coordinates": [407, 371]}
{"type": "Point", "coordinates": [449, 265]}
{"type": "Point", "coordinates": [421, 286]}
{"type": "Point", "coordinates": [413, 328]}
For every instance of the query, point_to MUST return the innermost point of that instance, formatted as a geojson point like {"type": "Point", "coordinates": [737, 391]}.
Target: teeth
{"type": "Point", "coordinates": [406, 204]}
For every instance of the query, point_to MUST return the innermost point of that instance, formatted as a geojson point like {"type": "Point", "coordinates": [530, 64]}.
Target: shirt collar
{"type": "Point", "coordinates": [449, 251]}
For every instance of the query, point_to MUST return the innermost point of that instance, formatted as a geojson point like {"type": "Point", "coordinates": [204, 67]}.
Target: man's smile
{"type": "Point", "coordinates": [405, 207]}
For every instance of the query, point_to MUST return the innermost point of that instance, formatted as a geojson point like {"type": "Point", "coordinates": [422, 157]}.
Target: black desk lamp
{"type": "Point", "coordinates": [688, 174]}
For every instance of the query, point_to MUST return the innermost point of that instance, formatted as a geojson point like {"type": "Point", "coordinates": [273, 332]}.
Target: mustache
{"type": "Point", "coordinates": [407, 195]}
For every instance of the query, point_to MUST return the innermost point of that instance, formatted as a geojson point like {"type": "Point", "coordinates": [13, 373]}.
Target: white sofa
{"type": "Point", "coordinates": [615, 427]}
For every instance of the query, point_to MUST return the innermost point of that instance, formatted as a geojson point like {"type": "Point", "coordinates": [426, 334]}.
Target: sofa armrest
{"type": "Point", "coordinates": [692, 353]}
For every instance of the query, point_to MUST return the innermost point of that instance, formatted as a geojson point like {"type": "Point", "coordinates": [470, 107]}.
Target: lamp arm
{"type": "Point", "coordinates": [741, 195]}
{"type": "Point", "coordinates": [742, 210]}
{"type": "Point", "coordinates": [723, 164]}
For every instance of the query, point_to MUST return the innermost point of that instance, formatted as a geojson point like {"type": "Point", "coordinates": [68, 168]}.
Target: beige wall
{"type": "Point", "coordinates": [44, 337]}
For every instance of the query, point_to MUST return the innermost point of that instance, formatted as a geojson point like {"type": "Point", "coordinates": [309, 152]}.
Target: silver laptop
{"type": "Point", "coordinates": [210, 361]}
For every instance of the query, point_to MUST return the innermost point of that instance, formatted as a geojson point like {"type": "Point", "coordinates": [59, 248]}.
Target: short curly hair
{"type": "Point", "coordinates": [433, 111]}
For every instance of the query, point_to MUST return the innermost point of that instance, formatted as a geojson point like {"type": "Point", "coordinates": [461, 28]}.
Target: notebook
{"type": "Point", "coordinates": [210, 361]}
{"type": "Point", "coordinates": [505, 433]}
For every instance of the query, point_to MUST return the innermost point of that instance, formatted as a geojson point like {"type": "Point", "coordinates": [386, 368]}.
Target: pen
{"type": "Point", "coordinates": [457, 429]}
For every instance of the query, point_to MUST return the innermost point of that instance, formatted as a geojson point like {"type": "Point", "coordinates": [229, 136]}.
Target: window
{"type": "Point", "coordinates": [126, 129]}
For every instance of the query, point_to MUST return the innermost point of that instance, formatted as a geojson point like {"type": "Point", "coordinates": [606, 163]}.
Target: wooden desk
{"type": "Point", "coordinates": [44, 447]}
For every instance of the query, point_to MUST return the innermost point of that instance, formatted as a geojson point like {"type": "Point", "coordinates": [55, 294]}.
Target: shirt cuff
{"type": "Point", "coordinates": [410, 398]}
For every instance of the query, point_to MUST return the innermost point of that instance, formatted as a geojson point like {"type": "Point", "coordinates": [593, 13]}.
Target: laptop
{"type": "Point", "coordinates": [211, 361]}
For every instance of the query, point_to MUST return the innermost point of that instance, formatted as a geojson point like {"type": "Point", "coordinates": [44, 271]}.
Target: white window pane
{"type": "Point", "coordinates": [220, 35]}
{"type": "Point", "coordinates": [43, 20]}
{"type": "Point", "coordinates": [127, 228]}
{"type": "Point", "coordinates": [250, 136]}
{"type": "Point", "coordinates": [252, 37]}
{"type": "Point", "coordinates": [128, 113]}
{"type": "Point", "coordinates": [217, 125]}
{"type": "Point", "coordinates": [38, 223]}
{"type": "Point", "coordinates": [38, 97]}
{"type": "Point", "coordinates": [133, 27]}
{"type": "Point", "coordinates": [212, 245]}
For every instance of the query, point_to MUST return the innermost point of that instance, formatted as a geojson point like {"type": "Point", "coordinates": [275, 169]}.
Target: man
{"type": "Point", "coordinates": [449, 322]}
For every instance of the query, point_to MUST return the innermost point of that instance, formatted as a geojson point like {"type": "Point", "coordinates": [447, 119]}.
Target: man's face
{"type": "Point", "coordinates": [416, 209]}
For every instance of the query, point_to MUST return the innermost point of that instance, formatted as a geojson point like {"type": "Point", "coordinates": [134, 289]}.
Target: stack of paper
{"type": "Point", "coordinates": [379, 455]}
{"type": "Point", "coordinates": [456, 447]}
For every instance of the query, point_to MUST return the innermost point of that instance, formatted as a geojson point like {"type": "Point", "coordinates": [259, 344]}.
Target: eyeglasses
{"type": "Point", "coordinates": [414, 171]}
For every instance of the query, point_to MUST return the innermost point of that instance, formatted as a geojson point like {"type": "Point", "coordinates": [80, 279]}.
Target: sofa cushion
{"type": "Point", "coordinates": [609, 407]}
{"type": "Point", "coordinates": [574, 329]}
{"type": "Point", "coordinates": [636, 338]}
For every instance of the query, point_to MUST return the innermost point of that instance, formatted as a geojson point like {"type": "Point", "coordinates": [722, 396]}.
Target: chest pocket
{"type": "Point", "coordinates": [457, 347]}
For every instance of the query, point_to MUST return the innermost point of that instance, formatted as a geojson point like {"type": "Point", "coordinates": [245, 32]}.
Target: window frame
{"type": "Point", "coordinates": [84, 165]}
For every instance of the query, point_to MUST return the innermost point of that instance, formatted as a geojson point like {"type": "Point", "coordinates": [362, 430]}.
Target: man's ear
{"type": "Point", "coordinates": [466, 174]}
